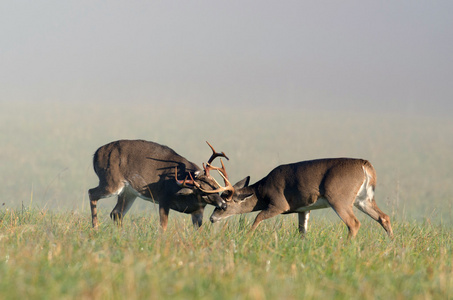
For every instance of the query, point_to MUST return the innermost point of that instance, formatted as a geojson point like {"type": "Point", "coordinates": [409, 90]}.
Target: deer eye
{"type": "Point", "coordinates": [226, 195]}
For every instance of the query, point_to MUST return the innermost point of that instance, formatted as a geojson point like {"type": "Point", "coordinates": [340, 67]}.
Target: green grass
{"type": "Point", "coordinates": [51, 255]}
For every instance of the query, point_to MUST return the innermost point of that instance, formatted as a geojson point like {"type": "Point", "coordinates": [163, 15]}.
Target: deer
{"type": "Point", "coordinates": [339, 183]}
{"type": "Point", "coordinates": [137, 168]}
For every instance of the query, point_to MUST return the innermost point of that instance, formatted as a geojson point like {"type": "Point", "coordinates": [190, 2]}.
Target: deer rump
{"type": "Point", "coordinates": [139, 167]}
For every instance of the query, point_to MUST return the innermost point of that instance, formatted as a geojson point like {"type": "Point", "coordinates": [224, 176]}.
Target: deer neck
{"type": "Point", "coordinates": [254, 202]}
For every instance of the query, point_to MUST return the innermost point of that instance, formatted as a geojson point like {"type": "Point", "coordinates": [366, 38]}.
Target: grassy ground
{"type": "Point", "coordinates": [58, 256]}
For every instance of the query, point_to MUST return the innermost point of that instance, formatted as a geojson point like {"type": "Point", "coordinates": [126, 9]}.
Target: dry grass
{"type": "Point", "coordinates": [57, 255]}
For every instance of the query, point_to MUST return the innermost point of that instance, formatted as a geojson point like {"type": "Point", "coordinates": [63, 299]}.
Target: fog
{"type": "Point", "coordinates": [391, 57]}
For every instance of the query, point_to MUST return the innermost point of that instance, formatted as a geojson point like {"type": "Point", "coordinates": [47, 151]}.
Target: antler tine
{"type": "Point", "coordinates": [206, 169]}
{"type": "Point", "coordinates": [215, 154]}
{"type": "Point", "coordinates": [223, 169]}
{"type": "Point", "coordinates": [221, 189]}
{"type": "Point", "coordinates": [223, 173]}
{"type": "Point", "coordinates": [220, 170]}
{"type": "Point", "coordinates": [225, 177]}
{"type": "Point", "coordinates": [182, 183]}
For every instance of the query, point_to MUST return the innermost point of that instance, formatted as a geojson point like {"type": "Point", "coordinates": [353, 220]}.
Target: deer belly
{"type": "Point", "coordinates": [131, 191]}
{"type": "Point", "coordinates": [319, 204]}
{"type": "Point", "coordinates": [144, 197]}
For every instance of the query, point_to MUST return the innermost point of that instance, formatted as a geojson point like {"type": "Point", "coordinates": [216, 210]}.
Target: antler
{"type": "Point", "coordinates": [182, 183]}
{"type": "Point", "coordinates": [222, 171]}
{"type": "Point", "coordinates": [215, 154]}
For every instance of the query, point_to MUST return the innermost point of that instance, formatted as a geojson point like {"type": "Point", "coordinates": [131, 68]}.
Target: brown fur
{"type": "Point", "coordinates": [293, 188]}
{"type": "Point", "coordinates": [148, 168]}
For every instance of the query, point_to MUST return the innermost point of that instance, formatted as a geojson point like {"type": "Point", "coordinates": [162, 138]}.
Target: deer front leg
{"type": "Point", "coordinates": [303, 222]}
{"type": "Point", "coordinates": [163, 214]}
{"type": "Point", "coordinates": [197, 218]}
{"type": "Point", "coordinates": [270, 212]}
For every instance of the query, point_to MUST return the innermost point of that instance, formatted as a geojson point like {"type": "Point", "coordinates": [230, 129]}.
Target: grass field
{"type": "Point", "coordinates": [57, 255]}
{"type": "Point", "coordinates": [48, 250]}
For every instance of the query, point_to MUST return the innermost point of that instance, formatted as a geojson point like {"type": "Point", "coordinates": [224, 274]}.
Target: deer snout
{"type": "Point", "coordinates": [214, 218]}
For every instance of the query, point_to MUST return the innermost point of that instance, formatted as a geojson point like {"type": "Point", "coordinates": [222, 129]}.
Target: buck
{"type": "Point", "coordinates": [137, 168]}
{"type": "Point", "coordinates": [339, 183]}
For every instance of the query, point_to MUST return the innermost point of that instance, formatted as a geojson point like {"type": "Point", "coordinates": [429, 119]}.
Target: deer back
{"type": "Point", "coordinates": [139, 163]}
{"type": "Point", "coordinates": [302, 183]}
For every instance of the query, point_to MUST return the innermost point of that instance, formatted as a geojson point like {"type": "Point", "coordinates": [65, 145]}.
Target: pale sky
{"type": "Point", "coordinates": [390, 56]}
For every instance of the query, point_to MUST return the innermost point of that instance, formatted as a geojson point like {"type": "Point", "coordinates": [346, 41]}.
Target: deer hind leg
{"type": "Point", "coordinates": [303, 222]}
{"type": "Point", "coordinates": [99, 192]}
{"type": "Point", "coordinates": [370, 208]}
{"type": "Point", "coordinates": [347, 216]}
{"type": "Point", "coordinates": [197, 218]}
{"type": "Point", "coordinates": [124, 203]}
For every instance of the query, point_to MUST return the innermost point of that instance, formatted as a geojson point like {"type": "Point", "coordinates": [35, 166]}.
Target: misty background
{"type": "Point", "coordinates": [267, 82]}
{"type": "Point", "coordinates": [392, 57]}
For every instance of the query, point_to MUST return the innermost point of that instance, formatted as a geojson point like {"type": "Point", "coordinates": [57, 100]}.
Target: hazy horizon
{"type": "Point", "coordinates": [374, 56]}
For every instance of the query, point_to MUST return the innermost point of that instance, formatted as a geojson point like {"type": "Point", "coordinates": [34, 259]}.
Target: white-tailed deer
{"type": "Point", "coordinates": [137, 168]}
{"type": "Point", "coordinates": [339, 183]}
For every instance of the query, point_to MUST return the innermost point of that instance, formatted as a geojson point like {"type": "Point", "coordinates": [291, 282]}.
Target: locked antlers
{"type": "Point", "coordinates": [222, 171]}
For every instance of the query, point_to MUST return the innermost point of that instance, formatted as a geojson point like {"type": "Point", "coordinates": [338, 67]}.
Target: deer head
{"type": "Point", "coordinates": [204, 184]}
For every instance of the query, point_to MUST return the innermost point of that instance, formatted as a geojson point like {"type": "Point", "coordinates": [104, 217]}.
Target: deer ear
{"type": "Point", "coordinates": [243, 197]}
{"type": "Point", "coordinates": [184, 192]}
{"type": "Point", "coordinates": [243, 183]}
